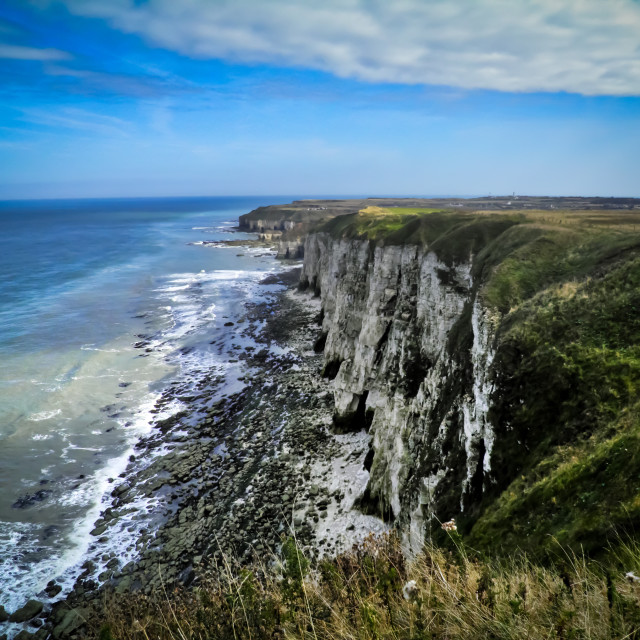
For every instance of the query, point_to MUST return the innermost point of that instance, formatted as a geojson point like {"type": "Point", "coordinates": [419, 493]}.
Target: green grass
{"type": "Point", "coordinates": [528, 258]}
{"type": "Point", "coordinates": [408, 210]}
{"type": "Point", "coordinates": [372, 223]}
{"type": "Point", "coordinates": [528, 248]}
{"type": "Point", "coordinates": [453, 235]}
{"type": "Point", "coordinates": [580, 495]}
{"type": "Point", "coordinates": [567, 404]}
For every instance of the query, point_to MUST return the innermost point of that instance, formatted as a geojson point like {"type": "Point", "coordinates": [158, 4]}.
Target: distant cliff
{"type": "Point", "coordinates": [287, 225]}
{"type": "Point", "coordinates": [495, 361]}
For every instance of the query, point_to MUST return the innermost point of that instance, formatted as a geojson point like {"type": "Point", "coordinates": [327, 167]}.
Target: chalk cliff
{"type": "Point", "coordinates": [493, 359]}
{"type": "Point", "coordinates": [392, 316]}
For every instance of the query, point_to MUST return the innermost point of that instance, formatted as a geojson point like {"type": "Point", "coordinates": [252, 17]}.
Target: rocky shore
{"type": "Point", "coordinates": [232, 475]}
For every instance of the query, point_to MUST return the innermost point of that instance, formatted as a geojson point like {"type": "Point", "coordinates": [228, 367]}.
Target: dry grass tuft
{"type": "Point", "coordinates": [374, 592]}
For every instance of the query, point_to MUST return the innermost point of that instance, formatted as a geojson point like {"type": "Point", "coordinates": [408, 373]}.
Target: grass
{"type": "Point", "coordinates": [376, 592]}
{"type": "Point", "coordinates": [530, 257]}
{"type": "Point", "coordinates": [374, 223]}
{"type": "Point", "coordinates": [457, 235]}
{"type": "Point", "coordinates": [581, 495]}
{"type": "Point", "coordinates": [453, 235]}
{"type": "Point", "coordinates": [567, 410]}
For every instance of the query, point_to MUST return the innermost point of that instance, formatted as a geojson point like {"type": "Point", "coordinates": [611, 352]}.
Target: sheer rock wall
{"type": "Point", "coordinates": [409, 347]}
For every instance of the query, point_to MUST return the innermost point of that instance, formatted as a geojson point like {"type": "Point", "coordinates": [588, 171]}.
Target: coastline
{"type": "Point", "coordinates": [88, 345]}
{"type": "Point", "coordinates": [244, 454]}
{"type": "Point", "coordinates": [235, 471]}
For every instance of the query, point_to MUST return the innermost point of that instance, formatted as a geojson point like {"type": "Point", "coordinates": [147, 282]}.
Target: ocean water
{"type": "Point", "coordinates": [81, 283]}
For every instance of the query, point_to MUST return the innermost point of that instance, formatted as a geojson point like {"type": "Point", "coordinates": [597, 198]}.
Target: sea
{"type": "Point", "coordinates": [103, 304]}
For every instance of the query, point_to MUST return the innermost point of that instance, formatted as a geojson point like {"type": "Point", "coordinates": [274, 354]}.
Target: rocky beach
{"type": "Point", "coordinates": [237, 470]}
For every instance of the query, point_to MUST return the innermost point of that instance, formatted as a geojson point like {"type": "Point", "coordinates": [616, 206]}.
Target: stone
{"type": "Point", "coordinates": [124, 585]}
{"type": "Point", "coordinates": [72, 620]}
{"type": "Point", "coordinates": [4, 616]}
{"type": "Point", "coordinates": [30, 610]}
{"type": "Point", "coordinates": [120, 489]}
{"type": "Point", "coordinates": [187, 576]}
{"type": "Point", "coordinates": [53, 589]}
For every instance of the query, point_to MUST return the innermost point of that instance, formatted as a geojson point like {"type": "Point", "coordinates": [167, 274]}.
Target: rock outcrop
{"type": "Point", "coordinates": [409, 347]}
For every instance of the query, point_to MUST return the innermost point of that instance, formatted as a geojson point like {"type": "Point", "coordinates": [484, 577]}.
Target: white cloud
{"type": "Point", "coordinates": [582, 46]}
{"type": "Point", "coordinates": [80, 119]}
{"type": "Point", "coordinates": [16, 52]}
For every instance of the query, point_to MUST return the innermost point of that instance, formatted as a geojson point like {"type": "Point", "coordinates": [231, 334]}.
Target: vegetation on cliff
{"type": "Point", "coordinates": [567, 407]}
{"type": "Point", "coordinates": [375, 592]}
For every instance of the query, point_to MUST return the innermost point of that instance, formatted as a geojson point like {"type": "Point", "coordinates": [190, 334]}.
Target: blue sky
{"type": "Point", "coordinates": [368, 97]}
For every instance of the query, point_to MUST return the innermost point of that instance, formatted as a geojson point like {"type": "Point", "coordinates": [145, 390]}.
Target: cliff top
{"type": "Point", "coordinates": [419, 224]}
{"type": "Point", "coordinates": [305, 211]}
{"type": "Point", "coordinates": [515, 253]}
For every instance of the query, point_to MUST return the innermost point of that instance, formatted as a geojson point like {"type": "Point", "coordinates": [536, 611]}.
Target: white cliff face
{"type": "Point", "coordinates": [478, 435]}
{"type": "Point", "coordinates": [290, 249]}
{"type": "Point", "coordinates": [262, 225]}
{"type": "Point", "coordinates": [409, 345]}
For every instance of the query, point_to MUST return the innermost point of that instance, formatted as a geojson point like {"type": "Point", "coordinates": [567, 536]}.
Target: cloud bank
{"type": "Point", "coordinates": [590, 47]}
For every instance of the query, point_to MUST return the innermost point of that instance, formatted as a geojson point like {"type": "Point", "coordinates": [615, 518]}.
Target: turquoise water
{"type": "Point", "coordinates": [80, 283]}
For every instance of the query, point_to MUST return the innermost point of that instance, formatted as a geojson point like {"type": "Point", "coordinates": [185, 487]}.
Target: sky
{"type": "Point", "coordinates": [102, 98]}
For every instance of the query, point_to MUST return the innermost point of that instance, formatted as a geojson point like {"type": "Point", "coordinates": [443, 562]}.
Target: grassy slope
{"type": "Point", "coordinates": [569, 391]}
{"type": "Point", "coordinates": [566, 464]}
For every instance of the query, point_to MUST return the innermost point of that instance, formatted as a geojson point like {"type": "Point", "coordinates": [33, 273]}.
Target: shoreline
{"type": "Point", "coordinates": [233, 479]}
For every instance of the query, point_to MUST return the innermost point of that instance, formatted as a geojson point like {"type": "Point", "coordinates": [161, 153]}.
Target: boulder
{"type": "Point", "coordinates": [72, 620]}
{"type": "Point", "coordinates": [53, 590]}
{"type": "Point", "coordinates": [98, 531]}
{"type": "Point", "coordinates": [124, 585]}
{"type": "Point", "coordinates": [30, 610]}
